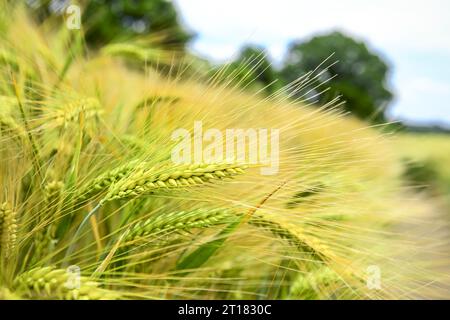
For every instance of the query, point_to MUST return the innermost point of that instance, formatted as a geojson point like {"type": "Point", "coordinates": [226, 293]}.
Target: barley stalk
{"type": "Point", "coordinates": [35, 154]}
{"type": "Point", "coordinates": [52, 283]}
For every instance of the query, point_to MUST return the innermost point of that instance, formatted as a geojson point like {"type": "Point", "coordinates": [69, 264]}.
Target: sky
{"type": "Point", "coordinates": [412, 36]}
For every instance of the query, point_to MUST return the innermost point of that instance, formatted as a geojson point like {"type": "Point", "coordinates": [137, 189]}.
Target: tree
{"type": "Point", "coordinates": [252, 68]}
{"type": "Point", "coordinates": [109, 19]}
{"type": "Point", "coordinates": [360, 76]}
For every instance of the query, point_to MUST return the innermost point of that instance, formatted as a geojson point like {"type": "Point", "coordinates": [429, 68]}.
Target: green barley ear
{"type": "Point", "coordinates": [148, 180]}
{"type": "Point", "coordinates": [178, 221]}
{"type": "Point", "coordinates": [318, 251]}
{"type": "Point", "coordinates": [9, 126]}
{"type": "Point", "coordinates": [70, 112]}
{"type": "Point", "coordinates": [11, 60]}
{"type": "Point", "coordinates": [104, 181]}
{"type": "Point", "coordinates": [141, 52]}
{"type": "Point", "coordinates": [308, 286]}
{"type": "Point", "coordinates": [52, 192]}
{"type": "Point", "coordinates": [6, 294]}
{"type": "Point", "coordinates": [135, 143]}
{"type": "Point", "coordinates": [52, 283]}
{"type": "Point", "coordinates": [46, 238]}
{"type": "Point", "coordinates": [8, 230]}
{"type": "Point", "coordinates": [157, 229]}
{"type": "Point", "coordinates": [7, 104]}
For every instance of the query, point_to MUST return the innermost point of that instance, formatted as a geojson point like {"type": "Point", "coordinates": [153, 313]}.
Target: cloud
{"type": "Point", "coordinates": [418, 25]}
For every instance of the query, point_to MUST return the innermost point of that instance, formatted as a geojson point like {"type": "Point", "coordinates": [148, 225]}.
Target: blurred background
{"type": "Point", "coordinates": [397, 52]}
{"type": "Point", "coordinates": [388, 60]}
{"type": "Point", "coordinates": [392, 56]}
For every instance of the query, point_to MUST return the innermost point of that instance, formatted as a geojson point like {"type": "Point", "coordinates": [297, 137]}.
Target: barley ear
{"type": "Point", "coordinates": [70, 113]}
{"type": "Point", "coordinates": [52, 192]}
{"type": "Point", "coordinates": [165, 224]}
{"type": "Point", "coordinates": [8, 230]}
{"type": "Point", "coordinates": [310, 247]}
{"type": "Point", "coordinates": [168, 177]}
{"type": "Point", "coordinates": [104, 181]}
{"type": "Point", "coordinates": [12, 128]}
{"type": "Point", "coordinates": [52, 283]}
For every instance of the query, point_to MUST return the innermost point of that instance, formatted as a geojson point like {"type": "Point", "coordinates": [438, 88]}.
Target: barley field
{"type": "Point", "coordinates": [89, 186]}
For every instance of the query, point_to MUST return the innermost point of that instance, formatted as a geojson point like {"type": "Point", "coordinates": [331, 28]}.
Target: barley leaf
{"type": "Point", "coordinates": [202, 254]}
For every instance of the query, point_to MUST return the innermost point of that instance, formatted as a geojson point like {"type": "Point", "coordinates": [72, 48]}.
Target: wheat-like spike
{"type": "Point", "coordinates": [6, 294]}
{"type": "Point", "coordinates": [45, 239]}
{"type": "Point", "coordinates": [70, 113]}
{"type": "Point", "coordinates": [307, 286]}
{"type": "Point", "coordinates": [52, 192]}
{"type": "Point", "coordinates": [204, 218]}
{"type": "Point", "coordinates": [104, 181]}
{"type": "Point", "coordinates": [133, 51]}
{"type": "Point", "coordinates": [179, 220]}
{"type": "Point", "coordinates": [125, 49]}
{"type": "Point", "coordinates": [11, 127]}
{"type": "Point", "coordinates": [147, 180]}
{"type": "Point", "coordinates": [44, 242]}
{"type": "Point", "coordinates": [52, 283]}
{"type": "Point", "coordinates": [9, 59]}
{"type": "Point", "coordinates": [162, 226]}
{"type": "Point", "coordinates": [8, 230]}
{"type": "Point", "coordinates": [7, 104]}
{"type": "Point", "coordinates": [2, 220]}
{"type": "Point", "coordinates": [134, 142]}
{"type": "Point", "coordinates": [318, 251]}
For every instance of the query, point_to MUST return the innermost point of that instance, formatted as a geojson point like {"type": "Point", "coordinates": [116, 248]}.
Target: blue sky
{"type": "Point", "coordinates": [413, 36]}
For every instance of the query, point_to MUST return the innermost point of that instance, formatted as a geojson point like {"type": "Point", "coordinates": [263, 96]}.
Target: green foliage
{"type": "Point", "coordinates": [201, 255]}
{"type": "Point", "coordinates": [112, 19]}
{"type": "Point", "coordinates": [359, 76]}
{"type": "Point", "coordinates": [106, 21]}
{"type": "Point", "coordinates": [423, 175]}
{"type": "Point", "coordinates": [253, 68]}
